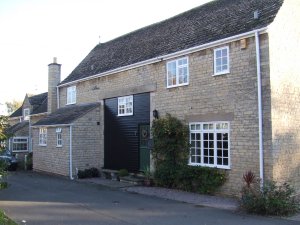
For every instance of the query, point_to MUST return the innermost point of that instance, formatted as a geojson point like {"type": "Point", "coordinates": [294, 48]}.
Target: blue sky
{"type": "Point", "coordinates": [32, 32]}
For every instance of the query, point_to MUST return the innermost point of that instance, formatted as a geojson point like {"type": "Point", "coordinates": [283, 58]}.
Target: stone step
{"type": "Point", "coordinates": [132, 179]}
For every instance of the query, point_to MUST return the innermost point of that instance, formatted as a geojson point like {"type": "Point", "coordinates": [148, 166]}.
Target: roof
{"type": "Point", "coordinates": [39, 104]}
{"type": "Point", "coordinates": [66, 115]}
{"type": "Point", "coordinates": [17, 113]}
{"type": "Point", "coordinates": [207, 23]}
{"type": "Point", "coordinates": [13, 129]}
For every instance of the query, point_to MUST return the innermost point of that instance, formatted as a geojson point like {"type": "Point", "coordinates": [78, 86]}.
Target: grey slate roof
{"type": "Point", "coordinates": [13, 129]}
{"type": "Point", "coordinates": [17, 113]}
{"type": "Point", "coordinates": [210, 22]}
{"type": "Point", "coordinates": [39, 103]}
{"type": "Point", "coordinates": [66, 115]}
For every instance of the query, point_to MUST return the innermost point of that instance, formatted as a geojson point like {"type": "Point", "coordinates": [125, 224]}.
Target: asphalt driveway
{"type": "Point", "coordinates": [34, 198]}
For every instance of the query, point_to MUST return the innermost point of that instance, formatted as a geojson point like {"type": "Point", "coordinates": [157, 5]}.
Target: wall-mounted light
{"type": "Point", "coordinates": [155, 114]}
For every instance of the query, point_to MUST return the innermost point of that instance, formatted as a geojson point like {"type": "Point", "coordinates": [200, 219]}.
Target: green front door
{"type": "Point", "coordinates": [144, 135]}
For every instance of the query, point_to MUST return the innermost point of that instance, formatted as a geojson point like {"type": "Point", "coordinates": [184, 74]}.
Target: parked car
{"type": "Point", "coordinates": [10, 160]}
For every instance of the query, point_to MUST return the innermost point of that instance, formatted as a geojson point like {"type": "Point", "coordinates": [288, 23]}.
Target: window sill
{"type": "Point", "coordinates": [179, 85]}
{"type": "Point", "coordinates": [210, 166]}
{"type": "Point", "coordinates": [221, 73]}
{"type": "Point", "coordinates": [17, 151]}
{"type": "Point", "coordinates": [71, 103]}
{"type": "Point", "coordinates": [42, 145]}
{"type": "Point", "coordinates": [58, 146]}
{"type": "Point", "coordinates": [125, 114]}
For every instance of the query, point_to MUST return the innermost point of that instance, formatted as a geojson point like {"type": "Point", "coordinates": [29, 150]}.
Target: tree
{"type": "Point", "coordinates": [3, 126]}
{"type": "Point", "coordinates": [13, 106]}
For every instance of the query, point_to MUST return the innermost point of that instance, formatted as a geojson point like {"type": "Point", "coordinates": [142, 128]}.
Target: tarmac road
{"type": "Point", "coordinates": [38, 199]}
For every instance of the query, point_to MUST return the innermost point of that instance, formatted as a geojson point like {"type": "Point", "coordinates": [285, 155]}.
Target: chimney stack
{"type": "Point", "coordinates": [53, 81]}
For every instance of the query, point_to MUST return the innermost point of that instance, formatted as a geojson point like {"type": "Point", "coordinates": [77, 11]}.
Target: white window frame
{"type": "Point", "coordinates": [200, 128]}
{"type": "Point", "coordinates": [125, 105]}
{"type": "Point", "coordinates": [26, 113]}
{"type": "Point", "coordinates": [19, 140]}
{"type": "Point", "coordinates": [43, 136]}
{"type": "Point", "coordinates": [225, 71]}
{"type": "Point", "coordinates": [71, 95]}
{"type": "Point", "coordinates": [59, 137]}
{"type": "Point", "coordinates": [177, 68]}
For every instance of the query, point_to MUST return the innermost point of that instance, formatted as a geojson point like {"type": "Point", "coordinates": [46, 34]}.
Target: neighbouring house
{"type": "Point", "coordinates": [227, 68]}
{"type": "Point", "coordinates": [34, 108]}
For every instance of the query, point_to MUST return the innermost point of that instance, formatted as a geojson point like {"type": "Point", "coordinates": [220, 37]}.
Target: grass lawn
{"type": "Point", "coordinates": [4, 220]}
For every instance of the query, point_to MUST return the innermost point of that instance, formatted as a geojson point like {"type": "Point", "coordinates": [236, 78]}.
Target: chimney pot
{"type": "Point", "coordinates": [54, 60]}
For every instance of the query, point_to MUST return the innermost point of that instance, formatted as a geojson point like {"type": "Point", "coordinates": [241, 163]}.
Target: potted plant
{"type": "Point", "coordinates": [148, 180]}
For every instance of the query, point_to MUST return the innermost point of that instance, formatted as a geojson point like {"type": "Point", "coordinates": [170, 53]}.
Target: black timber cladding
{"type": "Point", "coordinates": [210, 22]}
{"type": "Point", "coordinates": [121, 137]}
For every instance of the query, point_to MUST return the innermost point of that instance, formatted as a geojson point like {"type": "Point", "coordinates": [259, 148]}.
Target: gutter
{"type": "Point", "coordinates": [54, 125]}
{"type": "Point", "coordinates": [70, 154]}
{"type": "Point", "coordinates": [39, 114]}
{"type": "Point", "coordinates": [168, 56]}
{"type": "Point", "coordinates": [260, 114]}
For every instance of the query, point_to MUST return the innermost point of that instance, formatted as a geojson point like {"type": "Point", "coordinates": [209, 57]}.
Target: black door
{"type": "Point", "coordinates": [121, 133]}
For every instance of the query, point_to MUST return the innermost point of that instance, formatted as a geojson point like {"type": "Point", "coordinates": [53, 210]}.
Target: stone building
{"type": "Point", "coordinates": [228, 69]}
{"type": "Point", "coordinates": [32, 110]}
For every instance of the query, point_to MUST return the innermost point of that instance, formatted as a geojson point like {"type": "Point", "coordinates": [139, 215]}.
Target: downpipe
{"type": "Point", "coordinates": [260, 115]}
{"type": "Point", "coordinates": [70, 155]}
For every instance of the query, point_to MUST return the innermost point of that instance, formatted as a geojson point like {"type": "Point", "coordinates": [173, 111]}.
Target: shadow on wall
{"type": "Point", "coordinates": [286, 135]}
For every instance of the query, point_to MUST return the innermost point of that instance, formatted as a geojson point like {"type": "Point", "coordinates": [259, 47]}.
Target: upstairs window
{"type": "Point", "coordinates": [58, 137]}
{"type": "Point", "coordinates": [177, 72]}
{"type": "Point", "coordinates": [210, 144]}
{"type": "Point", "coordinates": [43, 137]}
{"type": "Point", "coordinates": [221, 60]}
{"type": "Point", "coordinates": [71, 95]}
{"type": "Point", "coordinates": [125, 106]}
{"type": "Point", "coordinates": [26, 113]}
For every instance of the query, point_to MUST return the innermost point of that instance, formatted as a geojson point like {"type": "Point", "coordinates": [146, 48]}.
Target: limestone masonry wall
{"type": "Point", "coordinates": [230, 97]}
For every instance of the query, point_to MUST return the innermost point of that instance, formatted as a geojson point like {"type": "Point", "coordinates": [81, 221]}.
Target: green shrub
{"type": "Point", "coordinates": [29, 163]}
{"type": "Point", "coordinates": [200, 179]}
{"type": "Point", "coordinates": [88, 173]}
{"type": "Point", "coordinates": [165, 174]}
{"type": "Point", "coordinates": [3, 185]}
{"type": "Point", "coordinates": [171, 152]}
{"type": "Point", "coordinates": [171, 140]}
{"type": "Point", "coordinates": [123, 173]}
{"type": "Point", "coordinates": [189, 178]}
{"type": "Point", "coordinates": [3, 167]}
{"type": "Point", "coordinates": [271, 199]}
{"type": "Point", "coordinates": [4, 220]}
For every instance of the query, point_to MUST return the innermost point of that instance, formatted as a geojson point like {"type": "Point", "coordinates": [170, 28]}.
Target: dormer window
{"type": "Point", "coordinates": [26, 113]}
{"type": "Point", "coordinates": [71, 95]}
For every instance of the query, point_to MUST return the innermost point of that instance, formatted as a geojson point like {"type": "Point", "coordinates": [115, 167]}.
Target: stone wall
{"type": "Point", "coordinates": [230, 97]}
{"type": "Point", "coordinates": [87, 146]}
{"type": "Point", "coordinates": [50, 158]}
{"type": "Point", "coordinates": [87, 143]}
{"type": "Point", "coordinates": [285, 93]}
